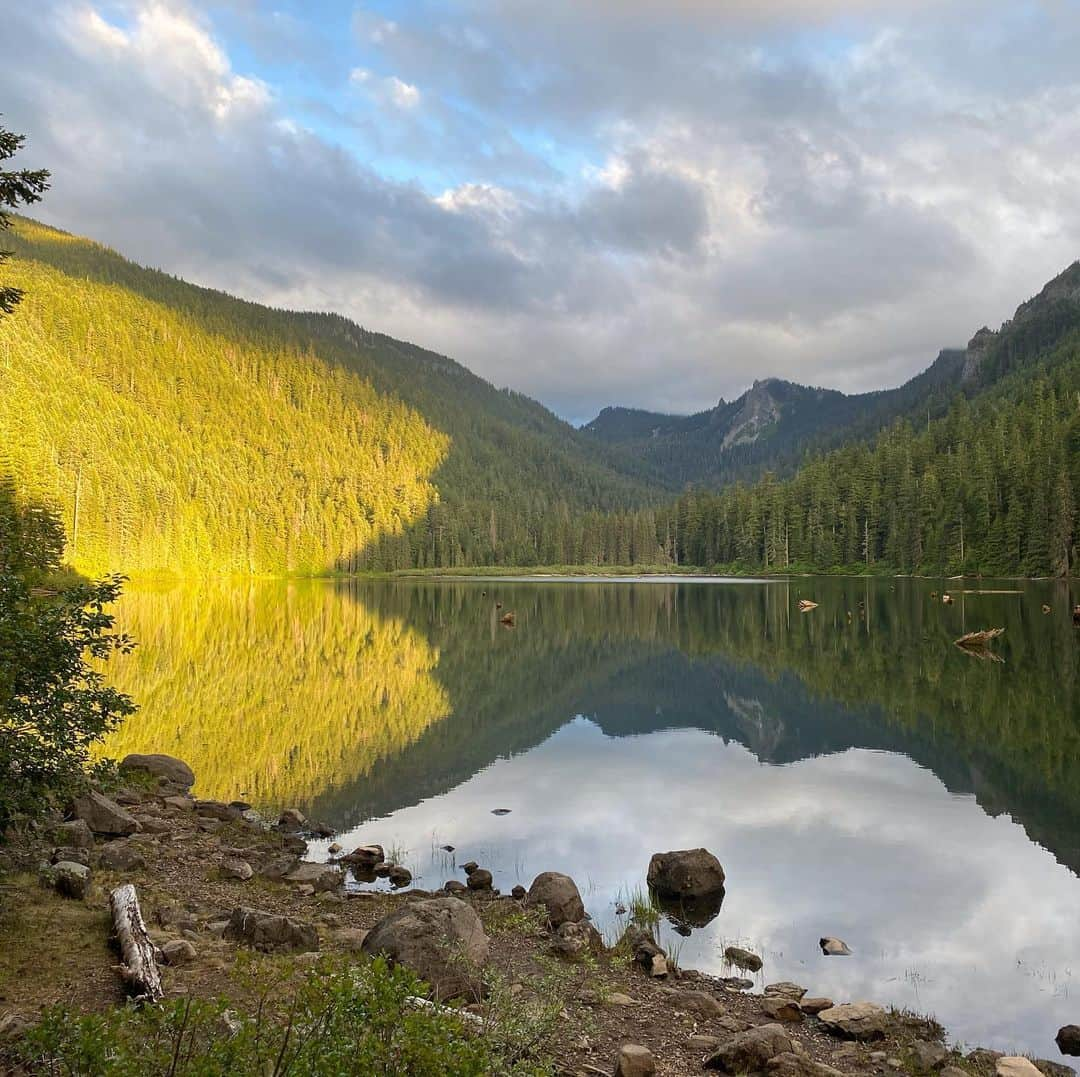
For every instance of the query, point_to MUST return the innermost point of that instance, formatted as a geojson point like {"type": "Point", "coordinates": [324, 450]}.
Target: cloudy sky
{"type": "Point", "coordinates": [643, 202]}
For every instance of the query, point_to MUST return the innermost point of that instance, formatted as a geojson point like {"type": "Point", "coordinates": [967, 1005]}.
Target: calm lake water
{"type": "Point", "coordinates": [856, 774]}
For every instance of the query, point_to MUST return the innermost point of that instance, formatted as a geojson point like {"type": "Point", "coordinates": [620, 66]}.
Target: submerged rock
{"type": "Point", "coordinates": [743, 959]}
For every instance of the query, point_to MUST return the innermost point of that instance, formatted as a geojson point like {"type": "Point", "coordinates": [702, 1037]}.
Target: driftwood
{"type": "Point", "coordinates": [805, 605]}
{"type": "Point", "coordinates": [138, 954]}
{"type": "Point", "coordinates": [979, 639]}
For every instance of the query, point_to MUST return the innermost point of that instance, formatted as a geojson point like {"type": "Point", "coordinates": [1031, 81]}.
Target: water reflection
{"type": "Point", "coordinates": [857, 776]}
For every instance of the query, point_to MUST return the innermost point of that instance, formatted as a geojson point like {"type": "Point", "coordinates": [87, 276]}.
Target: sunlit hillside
{"type": "Point", "coordinates": [169, 446]}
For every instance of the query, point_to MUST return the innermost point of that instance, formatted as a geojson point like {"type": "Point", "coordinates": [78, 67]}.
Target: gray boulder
{"type": "Point", "coordinates": [399, 876]}
{"type": "Point", "coordinates": [235, 868]}
{"type": "Point", "coordinates": [268, 931]}
{"type": "Point", "coordinates": [121, 856]}
{"type": "Point", "coordinates": [174, 771]}
{"type": "Point", "coordinates": [574, 940]}
{"type": "Point", "coordinates": [292, 820]}
{"type": "Point", "coordinates": [635, 1061]}
{"type": "Point", "coordinates": [322, 877]}
{"type": "Point", "coordinates": [560, 897]}
{"type": "Point", "coordinates": [70, 879]}
{"type": "Point", "coordinates": [104, 816]}
{"type": "Point", "coordinates": [750, 1051]}
{"type": "Point", "coordinates": [441, 939]}
{"type": "Point", "coordinates": [216, 809]}
{"type": "Point", "coordinates": [178, 952]}
{"type": "Point", "coordinates": [685, 873]}
{"type": "Point", "coordinates": [480, 879]}
{"type": "Point", "coordinates": [74, 834]}
{"type": "Point", "coordinates": [856, 1021]}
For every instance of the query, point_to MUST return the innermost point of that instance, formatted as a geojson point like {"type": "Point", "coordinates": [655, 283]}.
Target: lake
{"type": "Point", "coordinates": [856, 773]}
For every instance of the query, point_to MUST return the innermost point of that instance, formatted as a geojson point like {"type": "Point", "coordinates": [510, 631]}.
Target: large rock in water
{"type": "Point", "coordinates": [686, 873]}
{"type": "Point", "coordinates": [268, 931]}
{"type": "Point", "coordinates": [103, 816]}
{"type": "Point", "coordinates": [440, 939]}
{"type": "Point", "coordinates": [174, 771]}
{"type": "Point", "coordinates": [750, 1051]}
{"type": "Point", "coordinates": [1068, 1039]}
{"type": "Point", "coordinates": [855, 1021]}
{"type": "Point", "coordinates": [560, 897]}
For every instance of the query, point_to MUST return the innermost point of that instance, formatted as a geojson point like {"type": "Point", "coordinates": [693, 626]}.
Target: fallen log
{"type": "Point", "coordinates": [979, 639]}
{"type": "Point", "coordinates": [138, 953]}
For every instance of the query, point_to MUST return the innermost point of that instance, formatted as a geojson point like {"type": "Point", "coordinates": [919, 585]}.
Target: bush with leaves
{"type": "Point", "coordinates": [54, 703]}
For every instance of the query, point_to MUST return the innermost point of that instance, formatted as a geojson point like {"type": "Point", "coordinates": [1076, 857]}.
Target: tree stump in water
{"type": "Point", "coordinates": [138, 953]}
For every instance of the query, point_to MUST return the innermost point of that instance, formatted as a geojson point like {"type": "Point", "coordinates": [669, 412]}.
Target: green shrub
{"type": "Point", "coordinates": [338, 1019]}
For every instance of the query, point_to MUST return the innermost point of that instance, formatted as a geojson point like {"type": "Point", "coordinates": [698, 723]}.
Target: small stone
{"type": "Point", "coordinates": [785, 1010]}
{"type": "Point", "coordinates": [500, 811]}
{"type": "Point", "coordinates": [179, 803]}
{"type": "Point", "coordinates": [178, 952]}
{"type": "Point", "coordinates": [351, 938]}
{"type": "Point", "coordinates": [750, 1051]}
{"type": "Point", "coordinates": [70, 879]}
{"type": "Point", "coordinates": [14, 1026]}
{"type": "Point", "coordinates": [268, 931]}
{"type": "Point", "coordinates": [311, 957]}
{"type": "Point", "coordinates": [215, 809]}
{"type": "Point", "coordinates": [469, 866]}
{"type": "Point", "coordinates": [703, 1043]}
{"type": "Point", "coordinates": [834, 947]}
{"type": "Point", "coordinates": [76, 856]}
{"type": "Point", "coordinates": [236, 869]}
{"type": "Point", "coordinates": [572, 941]}
{"type": "Point", "coordinates": [454, 886]}
{"type": "Point", "coordinates": [635, 1061]}
{"type": "Point", "coordinates": [814, 1006]}
{"type": "Point", "coordinates": [334, 848]}
{"type": "Point", "coordinates": [797, 1064]}
{"type": "Point", "coordinates": [927, 1056]}
{"type": "Point", "coordinates": [291, 819]}
{"type": "Point", "coordinates": [519, 893]}
{"type": "Point", "coordinates": [74, 834]}
{"type": "Point", "coordinates": [743, 959]}
{"type": "Point", "coordinates": [121, 856]}
{"type": "Point", "coordinates": [786, 989]}
{"type": "Point", "coordinates": [399, 876]}
{"type": "Point", "coordinates": [699, 1003]}
{"type": "Point", "coordinates": [480, 879]}
{"type": "Point", "coordinates": [617, 998]}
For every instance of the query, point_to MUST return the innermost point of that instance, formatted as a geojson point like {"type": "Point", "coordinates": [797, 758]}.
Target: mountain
{"type": "Point", "coordinates": [776, 423]}
{"type": "Point", "coordinates": [178, 428]}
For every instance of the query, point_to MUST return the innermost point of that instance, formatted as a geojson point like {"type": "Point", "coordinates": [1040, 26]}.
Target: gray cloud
{"type": "Point", "coordinates": [650, 206]}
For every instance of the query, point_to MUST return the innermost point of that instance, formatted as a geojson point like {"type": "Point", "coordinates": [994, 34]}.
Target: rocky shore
{"type": "Point", "coordinates": [217, 881]}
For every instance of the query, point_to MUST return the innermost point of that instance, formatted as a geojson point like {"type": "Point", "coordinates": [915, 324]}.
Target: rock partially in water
{"type": "Point", "coordinates": [291, 821]}
{"type": "Point", "coordinates": [217, 809]}
{"type": "Point", "coordinates": [643, 949]}
{"type": "Point", "coordinates": [861, 1021]}
{"type": "Point", "coordinates": [1068, 1039]}
{"type": "Point", "coordinates": [743, 959]}
{"type": "Point", "coordinates": [480, 879]}
{"type": "Point", "coordinates": [750, 1051]}
{"type": "Point", "coordinates": [685, 873]}
{"type": "Point", "coordinates": [164, 767]}
{"type": "Point", "coordinates": [440, 939]}
{"type": "Point", "coordinates": [834, 947]}
{"type": "Point", "coordinates": [399, 876]}
{"type": "Point", "coordinates": [559, 896]}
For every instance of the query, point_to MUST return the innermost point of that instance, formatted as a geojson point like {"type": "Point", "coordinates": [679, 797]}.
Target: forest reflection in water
{"type": "Point", "coordinates": [856, 773]}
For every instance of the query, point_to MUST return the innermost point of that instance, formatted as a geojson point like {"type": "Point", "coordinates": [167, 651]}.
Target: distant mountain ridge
{"type": "Point", "coordinates": [775, 423]}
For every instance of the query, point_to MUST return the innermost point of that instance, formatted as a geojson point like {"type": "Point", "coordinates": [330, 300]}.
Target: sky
{"type": "Point", "coordinates": [649, 203]}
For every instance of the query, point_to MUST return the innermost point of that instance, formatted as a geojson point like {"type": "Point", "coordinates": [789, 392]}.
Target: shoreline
{"type": "Point", "coordinates": [195, 862]}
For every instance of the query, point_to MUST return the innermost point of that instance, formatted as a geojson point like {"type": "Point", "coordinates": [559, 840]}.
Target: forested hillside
{"type": "Point", "coordinates": [178, 428]}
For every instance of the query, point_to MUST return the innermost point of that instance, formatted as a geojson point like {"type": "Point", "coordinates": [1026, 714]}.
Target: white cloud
{"type": "Point", "coordinates": [403, 94]}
